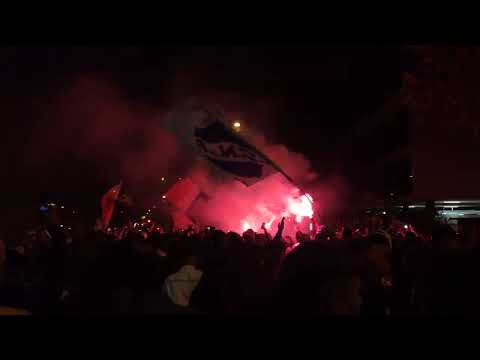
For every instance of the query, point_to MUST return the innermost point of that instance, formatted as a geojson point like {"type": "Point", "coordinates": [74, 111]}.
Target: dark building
{"type": "Point", "coordinates": [402, 160]}
{"type": "Point", "coordinates": [378, 153]}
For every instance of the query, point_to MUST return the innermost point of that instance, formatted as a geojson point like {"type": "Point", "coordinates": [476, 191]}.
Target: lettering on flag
{"type": "Point", "coordinates": [230, 152]}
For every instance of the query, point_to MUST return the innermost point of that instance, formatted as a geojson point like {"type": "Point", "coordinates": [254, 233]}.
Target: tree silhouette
{"type": "Point", "coordinates": [444, 86]}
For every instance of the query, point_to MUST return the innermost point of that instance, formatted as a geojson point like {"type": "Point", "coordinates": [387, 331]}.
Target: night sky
{"type": "Point", "coordinates": [313, 94]}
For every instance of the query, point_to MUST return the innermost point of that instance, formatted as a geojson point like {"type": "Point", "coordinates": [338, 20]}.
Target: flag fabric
{"type": "Point", "coordinates": [109, 200]}
{"type": "Point", "coordinates": [194, 211]}
{"type": "Point", "coordinates": [181, 221]}
{"type": "Point", "coordinates": [201, 198]}
{"type": "Point", "coordinates": [229, 152]}
{"type": "Point", "coordinates": [182, 194]}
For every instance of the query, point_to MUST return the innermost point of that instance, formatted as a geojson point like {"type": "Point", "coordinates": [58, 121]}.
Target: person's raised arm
{"type": "Point", "coordinates": [264, 228]}
{"type": "Point", "coordinates": [281, 226]}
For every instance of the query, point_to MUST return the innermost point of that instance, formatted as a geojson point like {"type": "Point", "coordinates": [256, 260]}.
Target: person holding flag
{"type": "Point", "coordinates": [228, 151]}
{"type": "Point", "coordinates": [231, 153]}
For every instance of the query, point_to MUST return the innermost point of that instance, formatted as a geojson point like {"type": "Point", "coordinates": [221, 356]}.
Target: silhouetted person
{"type": "Point", "coordinates": [347, 234]}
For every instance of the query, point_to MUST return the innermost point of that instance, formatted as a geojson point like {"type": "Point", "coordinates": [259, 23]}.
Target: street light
{"type": "Point", "coordinates": [236, 126]}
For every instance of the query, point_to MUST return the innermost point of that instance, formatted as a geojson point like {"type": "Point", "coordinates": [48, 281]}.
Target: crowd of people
{"type": "Point", "coordinates": [380, 272]}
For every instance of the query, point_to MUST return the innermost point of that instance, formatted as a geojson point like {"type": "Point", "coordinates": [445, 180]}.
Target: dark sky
{"type": "Point", "coordinates": [317, 92]}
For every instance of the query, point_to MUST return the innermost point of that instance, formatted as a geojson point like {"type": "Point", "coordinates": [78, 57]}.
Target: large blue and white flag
{"type": "Point", "coordinates": [228, 151]}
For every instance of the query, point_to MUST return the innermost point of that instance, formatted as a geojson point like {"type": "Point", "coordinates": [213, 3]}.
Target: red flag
{"type": "Point", "coordinates": [180, 220]}
{"type": "Point", "coordinates": [182, 194]}
{"type": "Point", "coordinates": [108, 203]}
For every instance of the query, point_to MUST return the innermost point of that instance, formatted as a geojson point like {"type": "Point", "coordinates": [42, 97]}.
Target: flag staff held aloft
{"type": "Point", "coordinates": [227, 150]}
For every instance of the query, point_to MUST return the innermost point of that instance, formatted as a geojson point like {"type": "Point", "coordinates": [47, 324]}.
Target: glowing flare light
{"type": "Point", "coordinates": [298, 207]}
{"type": "Point", "coordinates": [269, 224]}
{"type": "Point", "coordinates": [301, 207]}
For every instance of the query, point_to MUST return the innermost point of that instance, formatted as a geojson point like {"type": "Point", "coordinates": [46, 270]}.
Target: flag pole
{"type": "Point", "coordinates": [286, 176]}
{"type": "Point", "coordinates": [276, 167]}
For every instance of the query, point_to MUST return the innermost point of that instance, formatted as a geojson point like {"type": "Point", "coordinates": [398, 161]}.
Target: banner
{"type": "Point", "coordinates": [181, 221]}
{"type": "Point", "coordinates": [182, 194]}
{"type": "Point", "coordinates": [108, 204]}
{"type": "Point", "coordinates": [229, 152]}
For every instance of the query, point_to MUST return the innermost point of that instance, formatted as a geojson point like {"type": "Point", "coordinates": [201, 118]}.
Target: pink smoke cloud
{"type": "Point", "coordinates": [93, 120]}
